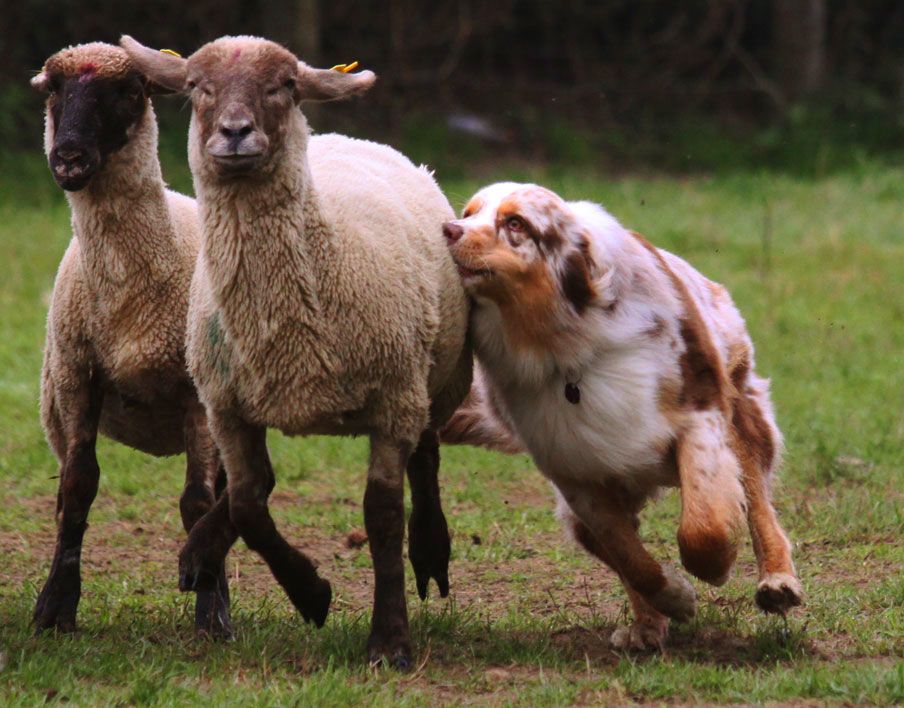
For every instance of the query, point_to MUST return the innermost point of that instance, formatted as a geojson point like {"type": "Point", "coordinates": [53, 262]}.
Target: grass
{"type": "Point", "coordinates": [815, 266]}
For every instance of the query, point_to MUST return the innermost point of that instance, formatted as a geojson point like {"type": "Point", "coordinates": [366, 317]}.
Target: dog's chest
{"type": "Point", "coordinates": [616, 428]}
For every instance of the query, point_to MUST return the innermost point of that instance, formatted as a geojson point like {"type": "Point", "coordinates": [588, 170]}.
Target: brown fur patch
{"type": "Point", "coordinates": [755, 439]}
{"type": "Point", "coordinates": [739, 366]}
{"type": "Point", "coordinates": [657, 328]}
{"type": "Point", "coordinates": [472, 207]}
{"type": "Point", "coordinates": [478, 422]}
{"type": "Point", "coordinates": [529, 312]}
{"type": "Point", "coordinates": [576, 283]}
{"type": "Point", "coordinates": [702, 373]}
{"type": "Point", "coordinates": [550, 239]}
{"type": "Point", "coordinates": [707, 553]}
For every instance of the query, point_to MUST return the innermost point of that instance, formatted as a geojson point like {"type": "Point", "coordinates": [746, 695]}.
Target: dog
{"type": "Point", "coordinates": [621, 370]}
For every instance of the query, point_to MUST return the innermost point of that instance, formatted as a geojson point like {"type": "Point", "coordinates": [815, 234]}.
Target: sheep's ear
{"type": "Point", "coordinates": [165, 72]}
{"type": "Point", "coordinates": [41, 82]}
{"type": "Point", "coordinates": [331, 85]}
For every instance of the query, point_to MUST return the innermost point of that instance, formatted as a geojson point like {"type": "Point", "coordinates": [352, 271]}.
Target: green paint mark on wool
{"type": "Point", "coordinates": [217, 345]}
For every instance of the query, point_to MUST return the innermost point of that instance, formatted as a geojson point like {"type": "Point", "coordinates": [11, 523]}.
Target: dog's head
{"type": "Point", "coordinates": [521, 243]}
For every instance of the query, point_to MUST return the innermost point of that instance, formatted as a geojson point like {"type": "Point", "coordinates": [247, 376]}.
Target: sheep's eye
{"type": "Point", "coordinates": [289, 84]}
{"type": "Point", "coordinates": [515, 224]}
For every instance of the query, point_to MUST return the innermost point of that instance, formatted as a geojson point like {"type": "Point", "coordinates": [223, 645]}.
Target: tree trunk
{"type": "Point", "coordinates": [800, 46]}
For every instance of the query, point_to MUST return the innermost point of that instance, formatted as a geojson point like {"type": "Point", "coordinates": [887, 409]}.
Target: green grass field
{"type": "Point", "coordinates": [817, 268]}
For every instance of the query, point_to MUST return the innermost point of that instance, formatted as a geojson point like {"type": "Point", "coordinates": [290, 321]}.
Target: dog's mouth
{"type": "Point", "coordinates": [466, 272]}
{"type": "Point", "coordinates": [472, 276]}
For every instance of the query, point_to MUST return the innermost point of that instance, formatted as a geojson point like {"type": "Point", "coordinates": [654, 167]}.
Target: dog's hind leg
{"type": "Point", "coordinates": [757, 445]}
{"type": "Point", "coordinates": [712, 498]}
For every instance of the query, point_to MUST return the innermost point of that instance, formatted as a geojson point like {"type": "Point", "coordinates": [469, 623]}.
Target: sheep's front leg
{"type": "Point", "coordinates": [429, 547]}
{"type": "Point", "coordinates": [384, 521]}
{"type": "Point", "coordinates": [79, 406]}
{"type": "Point", "coordinates": [250, 479]}
{"type": "Point", "coordinates": [204, 477]}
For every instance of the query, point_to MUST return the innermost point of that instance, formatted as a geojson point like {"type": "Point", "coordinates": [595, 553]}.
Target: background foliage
{"type": "Point", "coordinates": [696, 84]}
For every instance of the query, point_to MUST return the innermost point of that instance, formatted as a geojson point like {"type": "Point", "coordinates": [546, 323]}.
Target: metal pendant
{"type": "Point", "coordinates": [572, 393]}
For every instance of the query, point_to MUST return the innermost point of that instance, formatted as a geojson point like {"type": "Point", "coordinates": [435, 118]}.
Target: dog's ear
{"type": "Point", "coordinates": [579, 275]}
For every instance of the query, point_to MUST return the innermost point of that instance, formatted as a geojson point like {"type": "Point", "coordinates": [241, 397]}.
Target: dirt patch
{"type": "Point", "coordinates": [583, 606]}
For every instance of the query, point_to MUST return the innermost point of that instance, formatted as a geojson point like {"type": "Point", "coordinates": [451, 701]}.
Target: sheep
{"type": "Point", "coordinates": [114, 360]}
{"type": "Point", "coordinates": [324, 302]}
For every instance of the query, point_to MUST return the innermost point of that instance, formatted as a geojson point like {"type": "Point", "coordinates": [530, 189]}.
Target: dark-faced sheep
{"type": "Point", "coordinates": [114, 360]}
{"type": "Point", "coordinates": [324, 302]}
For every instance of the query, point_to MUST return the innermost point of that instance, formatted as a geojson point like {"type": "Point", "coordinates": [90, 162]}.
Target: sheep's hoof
{"type": "Point", "coordinates": [677, 599]}
{"type": "Point", "coordinates": [57, 604]}
{"type": "Point", "coordinates": [314, 606]}
{"type": "Point", "coordinates": [194, 575]}
{"type": "Point", "coordinates": [429, 550]}
{"type": "Point", "coordinates": [380, 653]}
{"type": "Point", "coordinates": [212, 613]}
{"type": "Point", "coordinates": [779, 592]}
{"type": "Point", "coordinates": [640, 637]}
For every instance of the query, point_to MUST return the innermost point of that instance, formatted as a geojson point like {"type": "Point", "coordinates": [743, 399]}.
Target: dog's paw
{"type": "Point", "coordinates": [640, 637]}
{"type": "Point", "coordinates": [677, 599]}
{"type": "Point", "coordinates": [779, 592]}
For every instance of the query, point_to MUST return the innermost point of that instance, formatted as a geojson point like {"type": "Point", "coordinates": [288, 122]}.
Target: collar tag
{"type": "Point", "coordinates": [572, 393]}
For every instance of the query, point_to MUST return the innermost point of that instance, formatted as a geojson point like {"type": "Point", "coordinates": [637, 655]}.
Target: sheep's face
{"type": "Point", "coordinates": [94, 99]}
{"type": "Point", "coordinates": [245, 94]}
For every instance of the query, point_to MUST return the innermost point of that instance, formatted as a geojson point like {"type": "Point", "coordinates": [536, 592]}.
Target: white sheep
{"type": "Point", "coordinates": [114, 360]}
{"type": "Point", "coordinates": [324, 301]}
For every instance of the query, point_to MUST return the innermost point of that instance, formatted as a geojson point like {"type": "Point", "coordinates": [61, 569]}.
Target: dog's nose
{"type": "Point", "coordinates": [452, 231]}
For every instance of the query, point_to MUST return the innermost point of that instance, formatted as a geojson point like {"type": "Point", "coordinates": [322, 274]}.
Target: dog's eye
{"type": "Point", "coordinates": [515, 224]}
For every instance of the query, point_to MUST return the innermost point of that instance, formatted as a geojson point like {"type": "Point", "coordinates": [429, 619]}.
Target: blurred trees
{"type": "Point", "coordinates": [597, 61]}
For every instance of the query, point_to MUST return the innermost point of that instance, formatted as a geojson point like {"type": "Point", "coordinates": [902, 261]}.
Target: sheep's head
{"type": "Point", "coordinates": [95, 96]}
{"type": "Point", "coordinates": [245, 94]}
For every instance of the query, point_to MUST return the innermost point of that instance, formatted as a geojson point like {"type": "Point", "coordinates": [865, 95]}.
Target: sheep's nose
{"type": "Point", "coordinates": [236, 127]}
{"type": "Point", "coordinates": [452, 231]}
{"type": "Point", "coordinates": [69, 154]}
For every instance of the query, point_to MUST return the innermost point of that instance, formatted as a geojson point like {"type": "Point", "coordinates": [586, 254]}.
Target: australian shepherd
{"type": "Point", "coordinates": [620, 369]}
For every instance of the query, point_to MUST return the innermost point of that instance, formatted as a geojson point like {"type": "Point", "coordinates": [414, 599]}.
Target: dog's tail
{"type": "Point", "coordinates": [478, 421]}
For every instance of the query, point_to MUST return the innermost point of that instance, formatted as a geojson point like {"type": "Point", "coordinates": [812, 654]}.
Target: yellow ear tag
{"type": "Point", "coordinates": [345, 68]}
{"type": "Point", "coordinates": [171, 52]}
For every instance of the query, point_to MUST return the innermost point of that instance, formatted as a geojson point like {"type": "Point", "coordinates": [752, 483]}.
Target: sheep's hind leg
{"type": "Point", "coordinates": [244, 451]}
{"type": "Point", "coordinates": [384, 521]}
{"type": "Point", "coordinates": [203, 471]}
{"type": "Point", "coordinates": [80, 409]}
{"type": "Point", "coordinates": [429, 547]}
